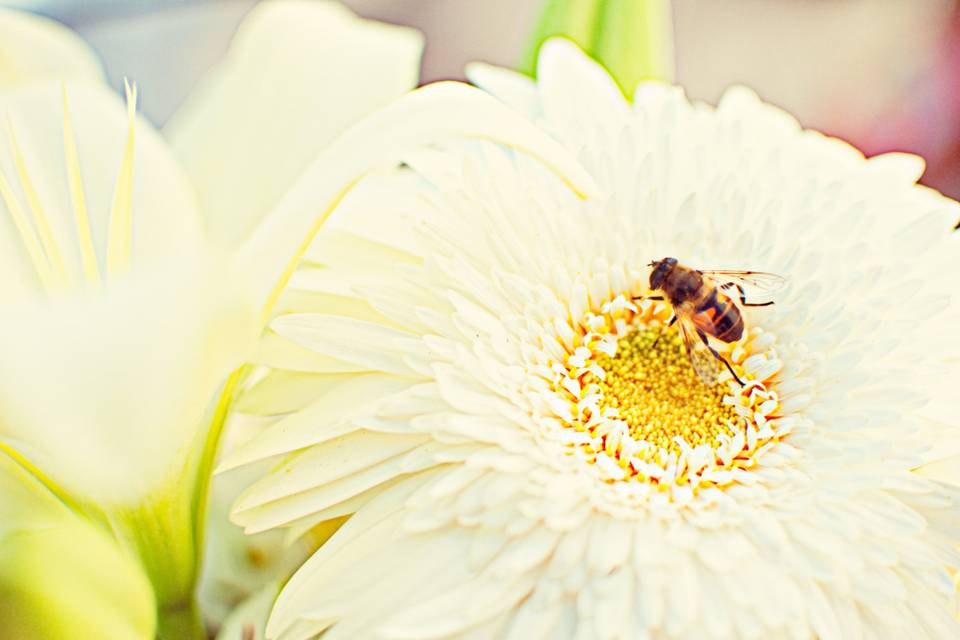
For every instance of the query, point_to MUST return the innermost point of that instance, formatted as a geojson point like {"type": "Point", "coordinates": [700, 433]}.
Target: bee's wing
{"type": "Point", "coordinates": [755, 287]}
{"type": "Point", "coordinates": [703, 361]}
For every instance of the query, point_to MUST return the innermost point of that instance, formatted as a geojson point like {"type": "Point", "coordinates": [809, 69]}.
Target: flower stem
{"type": "Point", "coordinates": [208, 457]}
{"type": "Point", "coordinates": [181, 622]}
{"type": "Point", "coordinates": [633, 39]}
{"type": "Point", "coordinates": [160, 531]}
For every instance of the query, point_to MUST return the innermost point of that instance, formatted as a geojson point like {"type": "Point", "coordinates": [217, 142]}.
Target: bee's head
{"type": "Point", "coordinates": [661, 269]}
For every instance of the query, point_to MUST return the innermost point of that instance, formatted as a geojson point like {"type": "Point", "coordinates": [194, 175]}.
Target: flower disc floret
{"type": "Point", "coordinates": [638, 412]}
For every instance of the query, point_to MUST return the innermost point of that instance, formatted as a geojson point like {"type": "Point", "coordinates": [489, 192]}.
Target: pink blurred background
{"type": "Point", "coordinates": [884, 74]}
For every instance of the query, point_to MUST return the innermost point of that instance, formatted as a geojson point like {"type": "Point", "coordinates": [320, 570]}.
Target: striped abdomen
{"type": "Point", "coordinates": [717, 315]}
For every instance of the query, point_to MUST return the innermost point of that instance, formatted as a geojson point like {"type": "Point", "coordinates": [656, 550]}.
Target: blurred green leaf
{"type": "Point", "coordinates": [633, 39]}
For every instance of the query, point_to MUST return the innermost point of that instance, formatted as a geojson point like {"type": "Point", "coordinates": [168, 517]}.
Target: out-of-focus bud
{"type": "Point", "coordinates": [61, 576]}
{"type": "Point", "coordinates": [633, 39]}
{"type": "Point", "coordinates": [71, 581]}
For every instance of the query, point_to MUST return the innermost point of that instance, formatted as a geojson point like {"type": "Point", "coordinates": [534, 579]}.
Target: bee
{"type": "Point", "coordinates": [703, 304]}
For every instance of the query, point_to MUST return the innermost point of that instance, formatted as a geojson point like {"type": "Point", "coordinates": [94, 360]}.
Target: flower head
{"type": "Point", "coordinates": [461, 365]}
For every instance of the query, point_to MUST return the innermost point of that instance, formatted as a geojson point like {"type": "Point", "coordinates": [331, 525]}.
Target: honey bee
{"type": "Point", "coordinates": [703, 307]}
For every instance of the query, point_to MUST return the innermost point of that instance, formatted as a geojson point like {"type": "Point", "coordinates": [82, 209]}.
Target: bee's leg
{"type": "Point", "coordinates": [660, 335]}
{"type": "Point", "coordinates": [647, 298]}
{"type": "Point", "coordinates": [743, 300]}
{"type": "Point", "coordinates": [719, 357]}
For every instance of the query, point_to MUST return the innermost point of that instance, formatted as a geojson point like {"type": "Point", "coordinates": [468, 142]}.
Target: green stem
{"type": "Point", "coordinates": [7, 450]}
{"type": "Point", "coordinates": [208, 457]}
{"type": "Point", "coordinates": [181, 622]}
{"type": "Point", "coordinates": [159, 530]}
{"type": "Point", "coordinates": [633, 39]}
{"type": "Point", "coordinates": [167, 530]}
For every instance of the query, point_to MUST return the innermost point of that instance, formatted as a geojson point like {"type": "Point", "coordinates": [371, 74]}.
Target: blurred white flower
{"type": "Point", "coordinates": [459, 365]}
{"type": "Point", "coordinates": [262, 114]}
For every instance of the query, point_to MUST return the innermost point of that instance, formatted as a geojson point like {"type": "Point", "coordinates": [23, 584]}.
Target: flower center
{"type": "Point", "coordinates": [635, 411]}
{"type": "Point", "coordinates": [650, 383]}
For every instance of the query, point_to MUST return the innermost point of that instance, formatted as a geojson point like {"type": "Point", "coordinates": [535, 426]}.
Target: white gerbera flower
{"type": "Point", "coordinates": [466, 373]}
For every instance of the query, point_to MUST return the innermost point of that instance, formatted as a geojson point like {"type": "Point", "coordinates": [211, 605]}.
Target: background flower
{"type": "Point", "coordinates": [413, 377]}
{"type": "Point", "coordinates": [265, 111]}
{"type": "Point", "coordinates": [55, 51]}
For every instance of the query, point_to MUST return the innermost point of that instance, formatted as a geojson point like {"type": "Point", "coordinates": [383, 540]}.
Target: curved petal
{"type": "Point", "coordinates": [515, 89]}
{"type": "Point", "coordinates": [34, 48]}
{"type": "Point", "coordinates": [435, 113]}
{"type": "Point", "coordinates": [267, 110]}
{"type": "Point", "coordinates": [71, 160]}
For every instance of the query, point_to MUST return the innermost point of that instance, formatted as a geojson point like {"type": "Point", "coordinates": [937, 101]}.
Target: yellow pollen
{"type": "Point", "coordinates": [657, 393]}
{"type": "Point", "coordinates": [637, 412]}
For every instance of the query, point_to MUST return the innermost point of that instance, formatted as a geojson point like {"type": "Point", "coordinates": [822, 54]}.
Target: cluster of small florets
{"type": "Point", "coordinates": [634, 409]}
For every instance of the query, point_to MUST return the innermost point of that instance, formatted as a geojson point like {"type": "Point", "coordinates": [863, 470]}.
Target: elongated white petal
{"type": "Point", "coordinates": [336, 408]}
{"type": "Point", "coordinates": [265, 112]}
{"type": "Point", "coordinates": [37, 49]}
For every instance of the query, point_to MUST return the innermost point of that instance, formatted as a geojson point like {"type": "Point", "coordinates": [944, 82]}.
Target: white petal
{"type": "Point", "coordinates": [325, 419]}
{"type": "Point", "coordinates": [577, 95]}
{"type": "Point", "coordinates": [515, 89]}
{"type": "Point", "coordinates": [458, 609]}
{"type": "Point", "coordinates": [34, 48]}
{"type": "Point", "coordinates": [258, 517]}
{"type": "Point", "coordinates": [367, 344]}
{"type": "Point", "coordinates": [431, 114]}
{"type": "Point", "coordinates": [944, 470]}
{"type": "Point", "coordinates": [356, 540]}
{"type": "Point", "coordinates": [262, 116]}
{"type": "Point", "coordinates": [327, 463]}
